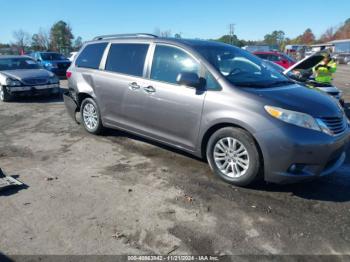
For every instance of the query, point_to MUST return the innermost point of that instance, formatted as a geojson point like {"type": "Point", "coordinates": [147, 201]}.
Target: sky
{"type": "Point", "coordinates": [192, 18]}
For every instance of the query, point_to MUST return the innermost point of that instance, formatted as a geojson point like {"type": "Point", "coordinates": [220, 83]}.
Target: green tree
{"type": "Point", "coordinates": [276, 38]}
{"type": "Point", "coordinates": [61, 37]}
{"type": "Point", "coordinates": [78, 43]}
{"type": "Point", "coordinates": [178, 35]}
{"type": "Point", "coordinates": [40, 41]}
{"type": "Point", "coordinates": [228, 39]}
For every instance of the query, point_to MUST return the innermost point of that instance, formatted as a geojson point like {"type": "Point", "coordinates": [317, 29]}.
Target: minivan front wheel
{"type": "Point", "coordinates": [233, 156]}
{"type": "Point", "coordinates": [90, 116]}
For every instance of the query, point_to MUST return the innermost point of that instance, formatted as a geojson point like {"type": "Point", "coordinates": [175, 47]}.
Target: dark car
{"type": "Point", "coordinates": [212, 100]}
{"type": "Point", "coordinates": [22, 75]}
{"type": "Point", "coordinates": [54, 62]}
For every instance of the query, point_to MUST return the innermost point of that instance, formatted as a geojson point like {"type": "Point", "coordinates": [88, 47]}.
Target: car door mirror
{"type": "Point", "coordinates": [189, 79]}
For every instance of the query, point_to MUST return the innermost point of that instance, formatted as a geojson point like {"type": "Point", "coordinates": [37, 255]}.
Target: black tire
{"type": "Point", "coordinates": [4, 94]}
{"type": "Point", "coordinates": [98, 128]}
{"type": "Point", "coordinates": [251, 174]}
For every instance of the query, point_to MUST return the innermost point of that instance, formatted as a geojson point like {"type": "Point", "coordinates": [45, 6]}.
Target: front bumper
{"type": "Point", "coordinates": [294, 154]}
{"type": "Point", "coordinates": [33, 90]}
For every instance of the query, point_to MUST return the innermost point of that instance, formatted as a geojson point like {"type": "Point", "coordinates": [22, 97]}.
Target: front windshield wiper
{"type": "Point", "coordinates": [262, 84]}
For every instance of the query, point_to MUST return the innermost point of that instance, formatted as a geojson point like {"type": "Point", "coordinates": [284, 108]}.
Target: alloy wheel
{"type": "Point", "coordinates": [90, 116]}
{"type": "Point", "coordinates": [231, 157]}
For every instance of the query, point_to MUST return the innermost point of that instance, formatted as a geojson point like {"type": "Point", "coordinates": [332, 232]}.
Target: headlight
{"type": "Point", "coordinates": [12, 82]}
{"type": "Point", "coordinates": [53, 80]}
{"type": "Point", "coordinates": [292, 117]}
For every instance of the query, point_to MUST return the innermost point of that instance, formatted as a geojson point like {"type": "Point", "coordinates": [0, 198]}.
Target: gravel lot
{"type": "Point", "coordinates": [119, 194]}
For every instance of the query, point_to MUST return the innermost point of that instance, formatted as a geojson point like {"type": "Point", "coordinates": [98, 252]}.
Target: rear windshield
{"type": "Point", "coordinates": [52, 56]}
{"type": "Point", "coordinates": [91, 56]}
{"type": "Point", "coordinates": [18, 63]}
{"type": "Point", "coordinates": [240, 67]}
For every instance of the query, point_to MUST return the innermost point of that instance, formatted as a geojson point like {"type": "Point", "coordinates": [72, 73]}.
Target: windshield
{"type": "Point", "coordinates": [52, 56]}
{"type": "Point", "coordinates": [18, 63]}
{"type": "Point", "coordinates": [240, 67]}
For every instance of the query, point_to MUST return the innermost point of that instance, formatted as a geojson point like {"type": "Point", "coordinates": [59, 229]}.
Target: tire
{"type": "Point", "coordinates": [4, 95]}
{"type": "Point", "coordinates": [242, 158]}
{"type": "Point", "coordinates": [91, 117]}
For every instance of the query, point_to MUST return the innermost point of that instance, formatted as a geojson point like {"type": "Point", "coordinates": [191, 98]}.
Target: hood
{"type": "Point", "coordinates": [299, 98]}
{"type": "Point", "coordinates": [308, 62]}
{"type": "Point", "coordinates": [26, 74]}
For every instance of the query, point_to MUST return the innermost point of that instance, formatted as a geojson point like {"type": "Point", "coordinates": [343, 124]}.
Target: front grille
{"type": "Point", "coordinates": [337, 125]}
{"type": "Point", "coordinates": [35, 81]}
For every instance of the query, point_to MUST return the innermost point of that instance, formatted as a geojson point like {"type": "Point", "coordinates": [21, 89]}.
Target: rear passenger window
{"type": "Point", "coordinates": [127, 58]}
{"type": "Point", "coordinates": [169, 62]}
{"type": "Point", "coordinates": [91, 56]}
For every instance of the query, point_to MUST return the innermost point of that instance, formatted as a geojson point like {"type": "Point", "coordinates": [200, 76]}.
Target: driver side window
{"type": "Point", "coordinates": [169, 62]}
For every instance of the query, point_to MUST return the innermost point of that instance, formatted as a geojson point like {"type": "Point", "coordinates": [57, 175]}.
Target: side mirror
{"type": "Point", "coordinates": [189, 79]}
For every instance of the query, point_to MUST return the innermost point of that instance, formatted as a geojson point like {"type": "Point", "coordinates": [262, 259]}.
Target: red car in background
{"type": "Point", "coordinates": [276, 57]}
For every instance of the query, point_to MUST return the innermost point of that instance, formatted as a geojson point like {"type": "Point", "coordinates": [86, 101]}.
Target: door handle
{"type": "Point", "coordinates": [134, 86]}
{"type": "Point", "coordinates": [149, 89]}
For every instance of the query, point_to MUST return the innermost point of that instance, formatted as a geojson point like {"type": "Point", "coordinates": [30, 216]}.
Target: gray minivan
{"type": "Point", "coordinates": [213, 100]}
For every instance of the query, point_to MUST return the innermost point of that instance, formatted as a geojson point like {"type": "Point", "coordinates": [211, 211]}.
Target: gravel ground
{"type": "Point", "coordinates": [120, 194]}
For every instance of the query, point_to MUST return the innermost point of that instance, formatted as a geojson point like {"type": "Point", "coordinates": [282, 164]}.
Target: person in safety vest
{"type": "Point", "coordinates": [324, 70]}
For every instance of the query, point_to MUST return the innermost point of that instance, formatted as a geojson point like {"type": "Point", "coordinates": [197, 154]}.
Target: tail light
{"type": "Point", "coordinates": [68, 74]}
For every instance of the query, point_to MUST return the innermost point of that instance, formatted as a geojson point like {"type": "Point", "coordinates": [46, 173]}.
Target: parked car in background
{"type": "Point", "coordinates": [342, 58]}
{"type": "Point", "coordinates": [72, 56]}
{"type": "Point", "coordinates": [302, 73]}
{"type": "Point", "coordinates": [22, 75]}
{"type": "Point", "coordinates": [210, 99]}
{"type": "Point", "coordinates": [276, 57]}
{"type": "Point", "coordinates": [54, 62]}
{"type": "Point", "coordinates": [309, 82]}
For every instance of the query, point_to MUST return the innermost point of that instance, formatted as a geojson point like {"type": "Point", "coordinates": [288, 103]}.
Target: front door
{"type": "Point", "coordinates": [173, 112]}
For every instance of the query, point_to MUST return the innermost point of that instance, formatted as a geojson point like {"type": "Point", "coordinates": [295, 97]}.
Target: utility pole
{"type": "Point", "coordinates": [232, 32]}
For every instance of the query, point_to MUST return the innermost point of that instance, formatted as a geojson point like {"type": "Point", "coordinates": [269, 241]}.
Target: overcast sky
{"type": "Point", "coordinates": [193, 18]}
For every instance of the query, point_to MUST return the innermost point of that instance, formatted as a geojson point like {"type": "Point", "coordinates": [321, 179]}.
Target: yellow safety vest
{"type": "Point", "coordinates": [324, 72]}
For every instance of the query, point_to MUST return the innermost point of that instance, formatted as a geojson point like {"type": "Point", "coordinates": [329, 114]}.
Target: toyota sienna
{"type": "Point", "coordinates": [213, 100]}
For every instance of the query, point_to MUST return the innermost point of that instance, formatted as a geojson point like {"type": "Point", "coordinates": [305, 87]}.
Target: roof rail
{"type": "Point", "coordinates": [101, 37]}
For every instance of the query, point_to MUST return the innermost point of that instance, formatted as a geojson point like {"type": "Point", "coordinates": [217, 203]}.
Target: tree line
{"type": "Point", "coordinates": [61, 39]}
{"type": "Point", "coordinates": [278, 38]}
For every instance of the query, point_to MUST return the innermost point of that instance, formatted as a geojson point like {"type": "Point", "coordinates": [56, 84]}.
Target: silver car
{"type": "Point", "coordinates": [22, 75]}
{"type": "Point", "coordinates": [213, 100]}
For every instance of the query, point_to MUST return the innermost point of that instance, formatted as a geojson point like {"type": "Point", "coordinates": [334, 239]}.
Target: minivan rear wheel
{"type": "Point", "coordinates": [233, 156]}
{"type": "Point", "coordinates": [90, 116]}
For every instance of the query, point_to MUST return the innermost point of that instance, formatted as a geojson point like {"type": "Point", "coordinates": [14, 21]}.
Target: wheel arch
{"type": "Point", "coordinates": [210, 131]}
{"type": "Point", "coordinates": [81, 96]}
